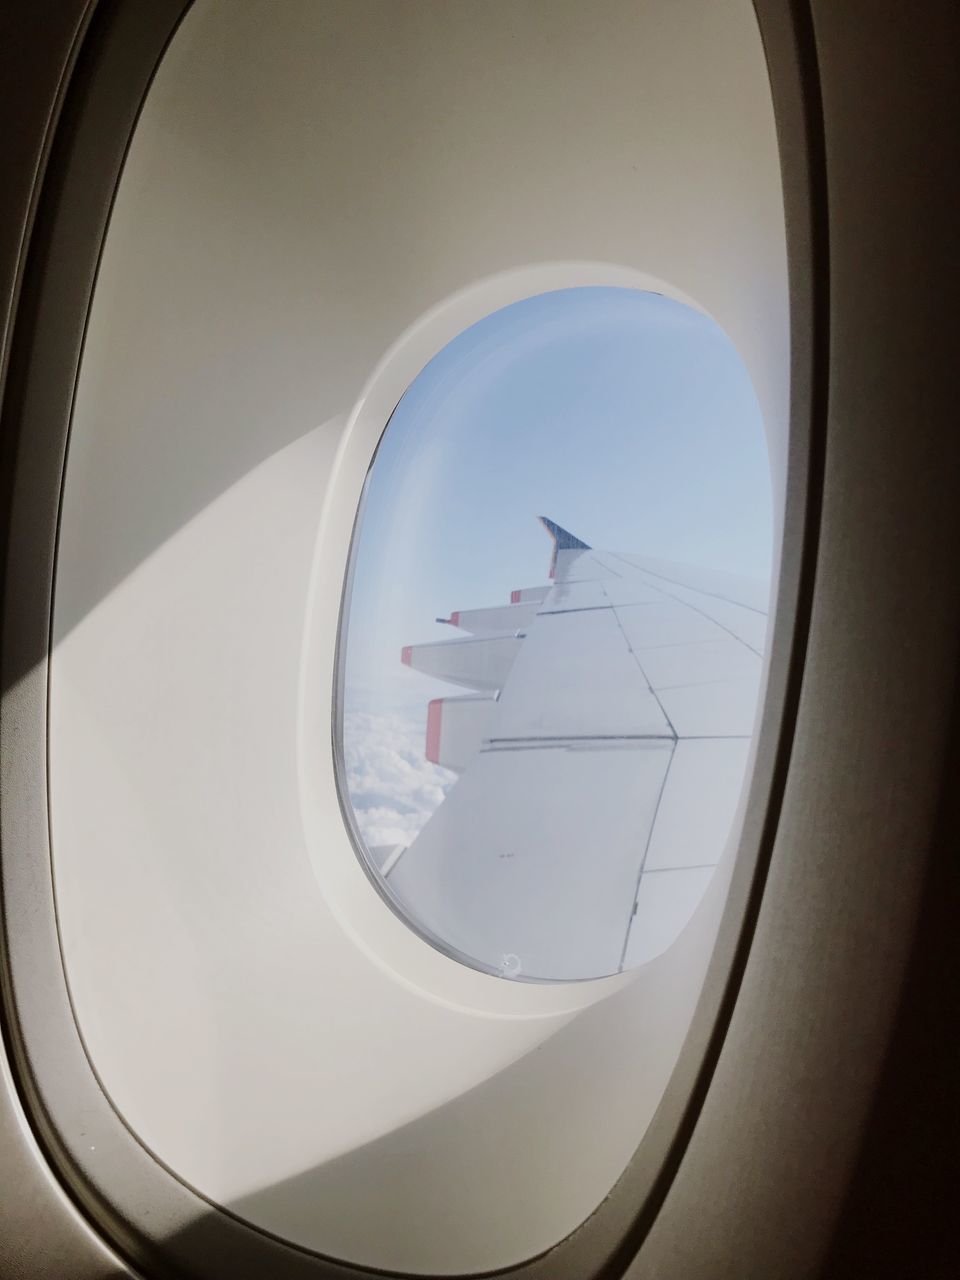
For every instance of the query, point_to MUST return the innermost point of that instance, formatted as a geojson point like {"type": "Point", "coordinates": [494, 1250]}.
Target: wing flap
{"type": "Point", "coordinates": [482, 663]}
{"type": "Point", "coordinates": [495, 619]}
{"type": "Point", "coordinates": [456, 729]}
{"type": "Point", "coordinates": [721, 710]}
{"type": "Point", "coordinates": [529, 888]}
{"type": "Point", "coordinates": [527, 595]}
{"type": "Point", "coordinates": [565, 596]}
{"type": "Point", "coordinates": [575, 676]}
{"type": "Point", "coordinates": [708, 662]}
{"type": "Point", "coordinates": [694, 835]}
{"type": "Point", "coordinates": [665, 905]}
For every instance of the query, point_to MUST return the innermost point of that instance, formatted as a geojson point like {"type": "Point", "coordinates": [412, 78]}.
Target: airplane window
{"type": "Point", "coordinates": [360, 861]}
{"type": "Point", "coordinates": [553, 633]}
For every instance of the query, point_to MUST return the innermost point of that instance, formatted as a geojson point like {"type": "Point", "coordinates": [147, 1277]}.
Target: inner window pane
{"type": "Point", "coordinates": [554, 630]}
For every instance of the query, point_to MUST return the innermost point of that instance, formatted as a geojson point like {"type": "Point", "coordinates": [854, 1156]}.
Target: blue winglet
{"type": "Point", "coordinates": [563, 540]}
{"type": "Point", "coordinates": [563, 537]}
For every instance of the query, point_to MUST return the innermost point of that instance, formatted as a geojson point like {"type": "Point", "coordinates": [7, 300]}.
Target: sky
{"type": "Point", "coordinates": [624, 416]}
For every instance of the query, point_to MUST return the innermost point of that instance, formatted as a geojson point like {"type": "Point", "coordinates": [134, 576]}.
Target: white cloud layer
{"type": "Point", "coordinates": [393, 787]}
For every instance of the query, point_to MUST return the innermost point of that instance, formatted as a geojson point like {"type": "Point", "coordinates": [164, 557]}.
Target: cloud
{"type": "Point", "coordinates": [393, 788]}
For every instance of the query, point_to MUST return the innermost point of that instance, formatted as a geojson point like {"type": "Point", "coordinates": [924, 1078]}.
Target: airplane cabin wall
{"type": "Point", "coordinates": [771, 1172]}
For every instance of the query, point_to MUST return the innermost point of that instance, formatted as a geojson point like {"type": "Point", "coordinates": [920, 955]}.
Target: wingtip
{"type": "Point", "coordinates": [563, 539]}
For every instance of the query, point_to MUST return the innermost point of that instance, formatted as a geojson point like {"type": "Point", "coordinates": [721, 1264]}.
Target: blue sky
{"type": "Point", "coordinates": [624, 416]}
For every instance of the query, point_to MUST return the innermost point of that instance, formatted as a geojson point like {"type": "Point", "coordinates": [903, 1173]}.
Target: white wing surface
{"type": "Point", "coordinates": [601, 758]}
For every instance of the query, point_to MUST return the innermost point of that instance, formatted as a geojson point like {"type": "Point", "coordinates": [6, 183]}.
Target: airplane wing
{"type": "Point", "coordinates": [601, 754]}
